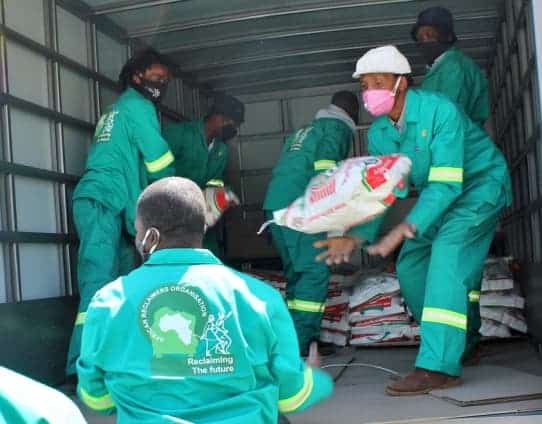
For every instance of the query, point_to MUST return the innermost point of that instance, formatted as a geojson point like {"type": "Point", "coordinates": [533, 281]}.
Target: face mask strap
{"type": "Point", "coordinates": [396, 86]}
{"type": "Point", "coordinates": [153, 247]}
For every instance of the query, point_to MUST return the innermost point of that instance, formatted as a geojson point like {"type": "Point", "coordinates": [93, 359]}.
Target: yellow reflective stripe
{"type": "Point", "coordinates": [446, 317]}
{"type": "Point", "coordinates": [160, 163]}
{"type": "Point", "coordinates": [296, 401]}
{"type": "Point", "coordinates": [81, 317]}
{"type": "Point", "coordinates": [324, 165]}
{"type": "Point", "coordinates": [474, 296]}
{"type": "Point", "coordinates": [446, 174]}
{"type": "Point", "coordinates": [99, 403]}
{"type": "Point", "coordinates": [215, 183]}
{"type": "Point", "coordinates": [306, 306]}
{"type": "Point", "coordinates": [291, 304]}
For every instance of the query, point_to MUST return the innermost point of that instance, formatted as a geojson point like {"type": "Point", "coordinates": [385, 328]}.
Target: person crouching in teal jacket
{"type": "Point", "coordinates": [184, 338]}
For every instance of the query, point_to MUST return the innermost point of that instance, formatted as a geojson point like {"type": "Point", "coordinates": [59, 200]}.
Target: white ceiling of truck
{"type": "Point", "coordinates": [252, 46]}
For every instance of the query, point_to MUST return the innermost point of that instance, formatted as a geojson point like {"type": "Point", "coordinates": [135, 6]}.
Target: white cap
{"type": "Point", "coordinates": [386, 59]}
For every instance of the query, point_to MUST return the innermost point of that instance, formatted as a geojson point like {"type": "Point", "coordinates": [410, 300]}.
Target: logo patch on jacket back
{"type": "Point", "coordinates": [105, 127]}
{"type": "Point", "coordinates": [299, 138]}
{"type": "Point", "coordinates": [186, 339]}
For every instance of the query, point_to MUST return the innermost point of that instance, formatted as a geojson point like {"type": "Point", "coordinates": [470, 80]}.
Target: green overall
{"type": "Point", "coordinates": [127, 153]}
{"type": "Point", "coordinates": [185, 339]}
{"type": "Point", "coordinates": [195, 161]}
{"type": "Point", "coordinates": [461, 79]}
{"type": "Point", "coordinates": [464, 185]}
{"type": "Point", "coordinates": [308, 151]}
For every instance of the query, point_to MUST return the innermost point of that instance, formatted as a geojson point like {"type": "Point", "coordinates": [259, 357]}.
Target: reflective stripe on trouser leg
{"type": "Point", "coordinates": [99, 232]}
{"type": "Point", "coordinates": [412, 269]}
{"type": "Point", "coordinates": [457, 257]}
{"type": "Point", "coordinates": [280, 244]}
{"type": "Point", "coordinates": [310, 286]}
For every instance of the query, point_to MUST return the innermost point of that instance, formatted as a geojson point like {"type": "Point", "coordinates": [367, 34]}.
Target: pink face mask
{"type": "Point", "coordinates": [380, 102]}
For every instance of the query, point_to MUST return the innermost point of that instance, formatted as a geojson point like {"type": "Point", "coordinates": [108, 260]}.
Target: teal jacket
{"type": "Point", "coordinates": [461, 79]}
{"type": "Point", "coordinates": [449, 153]}
{"type": "Point", "coordinates": [126, 154]}
{"type": "Point", "coordinates": [25, 401]}
{"type": "Point", "coordinates": [193, 159]}
{"type": "Point", "coordinates": [185, 338]}
{"type": "Point", "coordinates": [308, 151]}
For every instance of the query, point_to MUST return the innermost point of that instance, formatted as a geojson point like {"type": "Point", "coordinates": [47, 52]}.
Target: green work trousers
{"type": "Point", "coordinates": [307, 286]}
{"type": "Point", "coordinates": [440, 276]}
{"type": "Point", "coordinates": [105, 253]}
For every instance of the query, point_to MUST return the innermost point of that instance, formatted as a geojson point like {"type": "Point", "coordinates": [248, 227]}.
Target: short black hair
{"type": "Point", "coordinates": [140, 62]}
{"type": "Point", "coordinates": [348, 102]}
{"type": "Point", "coordinates": [174, 206]}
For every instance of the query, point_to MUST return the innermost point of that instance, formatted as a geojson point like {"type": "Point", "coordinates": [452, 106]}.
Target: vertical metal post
{"type": "Point", "coordinates": [14, 290]}
{"type": "Point", "coordinates": [181, 95]}
{"type": "Point", "coordinates": [58, 143]}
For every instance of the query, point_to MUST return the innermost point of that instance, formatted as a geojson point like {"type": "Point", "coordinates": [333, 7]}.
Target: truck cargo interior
{"type": "Point", "coordinates": [59, 63]}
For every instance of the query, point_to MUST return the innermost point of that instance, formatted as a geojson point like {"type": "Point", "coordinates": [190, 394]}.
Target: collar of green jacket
{"type": "Point", "coordinates": [450, 54]}
{"type": "Point", "coordinates": [183, 256]}
{"type": "Point", "coordinates": [411, 111]}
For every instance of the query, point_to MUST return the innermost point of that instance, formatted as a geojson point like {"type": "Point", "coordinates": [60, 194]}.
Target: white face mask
{"type": "Point", "coordinates": [140, 245]}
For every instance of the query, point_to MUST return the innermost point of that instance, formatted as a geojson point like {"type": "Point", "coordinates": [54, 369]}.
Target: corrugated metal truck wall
{"type": "Point", "coordinates": [58, 72]}
{"type": "Point", "coordinates": [516, 111]}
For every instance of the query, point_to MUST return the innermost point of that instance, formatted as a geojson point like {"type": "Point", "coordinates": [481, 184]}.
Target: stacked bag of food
{"type": "Point", "coordinates": [335, 327]}
{"type": "Point", "coordinates": [501, 303]}
{"type": "Point", "coordinates": [377, 313]}
{"type": "Point", "coordinates": [273, 278]}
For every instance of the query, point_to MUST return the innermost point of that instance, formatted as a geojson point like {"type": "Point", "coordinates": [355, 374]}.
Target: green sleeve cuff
{"type": "Point", "coordinates": [317, 386]}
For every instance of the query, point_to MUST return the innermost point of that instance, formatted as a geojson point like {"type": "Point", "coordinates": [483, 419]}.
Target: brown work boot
{"type": "Point", "coordinates": [420, 382]}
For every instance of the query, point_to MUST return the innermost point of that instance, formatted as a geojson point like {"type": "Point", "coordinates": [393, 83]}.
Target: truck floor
{"type": "Point", "coordinates": [359, 392]}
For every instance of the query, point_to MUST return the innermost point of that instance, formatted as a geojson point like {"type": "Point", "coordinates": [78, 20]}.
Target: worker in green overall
{"type": "Point", "coordinates": [449, 70]}
{"type": "Point", "coordinates": [463, 184]}
{"type": "Point", "coordinates": [200, 149]}
{"type": "Point", "coordinates": [184, 338]}
{"type": "Point", "coordinates": [127, 152]}
{"type": "Point", "coordinates": [308, 151]}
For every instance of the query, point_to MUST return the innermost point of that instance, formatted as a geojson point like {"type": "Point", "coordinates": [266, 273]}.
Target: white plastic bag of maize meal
{"type": "Point", "coordinates": [490, 328]}
{"type": "Point", "coordinates": [370, 287]}
{"type": "Point", "coordinates": [510, 317]}
{"type": "Point", "coordinates": [217, 200]}
{"type": "Point", "coordinates": [355, 191]}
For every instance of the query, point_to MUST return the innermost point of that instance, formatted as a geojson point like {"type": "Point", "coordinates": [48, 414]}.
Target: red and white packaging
{"type": "Point", "coordinates": [378, 334]}
{"type": "Point", "coordinates": [217, 200]}
{"type": "Point", "coordinates": [512, 318]}
{"type": "Point", "coordinates": [490, 328]}
{"type": "Point", "coordinates": [372, 287]}
{"type": "Point", "coordinates": [355, 191]}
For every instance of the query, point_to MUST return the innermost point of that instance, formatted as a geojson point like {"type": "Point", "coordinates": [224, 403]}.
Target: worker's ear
{"type": "Point", "coordinates": [153, 239]}
{"type": "Point", "coordinates": [137, 78]}
{"type": "Point", "coordinates": [403, 84]}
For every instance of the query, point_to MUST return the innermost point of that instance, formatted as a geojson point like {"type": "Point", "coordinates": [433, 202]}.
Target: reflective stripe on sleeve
{"type": "Point", "coordinates": [294, 402]}
{"type": "Point", "coordinates": [162, 162]}
{"type": "Point", "coordinates": [81, 317]}
{"type": "Point", "coordinates": [215, 183]}
{"type": "Point", "coordinates": [98, 403]}
{"type": "Point", "coordinates": [446, 175]}
{"type": "Point", "coordinates": [474, 296]}
{"type": "Point", "coordinates": [324, 165]}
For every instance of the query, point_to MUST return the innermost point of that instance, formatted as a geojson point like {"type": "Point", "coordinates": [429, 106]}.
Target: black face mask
{"type": "Point", "coordinates": [152, 90]}
{"type": "Point", "coordinates": [432, 49]}
{"type": "Point", "coordinates": [228, 132]}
